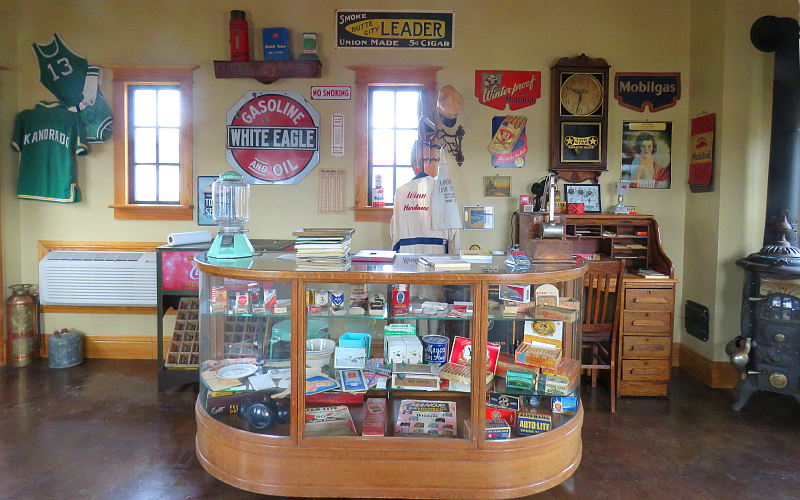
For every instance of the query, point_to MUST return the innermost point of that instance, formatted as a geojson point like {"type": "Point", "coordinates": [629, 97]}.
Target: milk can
{"type": "Point", "coordinates": [21, 325]}
{"type": "Point", "coordinates": [65, 349]}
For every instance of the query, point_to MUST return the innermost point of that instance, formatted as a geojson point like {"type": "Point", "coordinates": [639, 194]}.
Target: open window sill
{"type": "Point", "coordinates": [373, 214]}
{"type": "Point", "coordinates": [153, 212]}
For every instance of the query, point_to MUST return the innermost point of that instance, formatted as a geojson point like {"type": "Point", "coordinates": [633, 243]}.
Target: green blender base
{"type": "Point", "coordinates": [230, 246]}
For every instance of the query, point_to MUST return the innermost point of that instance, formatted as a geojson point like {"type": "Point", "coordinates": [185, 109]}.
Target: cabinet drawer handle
{"type": "Point", "coordinates": [641, 322]}
{"type": "Point", "coordinates": [650, 300]}
{"type": "Point", "coordinates": [644, 371]}
{"type": "Point", "coordinates": [647, 348]}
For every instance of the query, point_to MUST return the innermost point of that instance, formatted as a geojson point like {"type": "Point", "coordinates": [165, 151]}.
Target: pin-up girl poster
{"type": "Point", "coordinates": [647, 154]}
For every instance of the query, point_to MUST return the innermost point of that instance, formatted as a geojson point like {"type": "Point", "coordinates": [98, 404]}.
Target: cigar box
{"type": "Point", "coordinates": [552, 385]}
{"type": "Point", "coordinates": [544, 330]}
{"type": "Point", "coordinates": [567, 405]}
{"type": "Point", "coordinates": [556, 313]}
{"type": "Point", "coordinates": [506, 362]}
{"type": "Point", "coordinates": [509, 416]}
{"type": "Point", "coordinates": [459, 373]}
{"type": "Point", "coordinates": [497, 429]}
{"type": "Point", "coordinates": [520, 381]}
{"type": "Point", "coordinates": [541, 355]}
{"type": "Point", "coordinates": [415, 377]}
{"type": "Point", "coordinates": [569, 303]}
{"type": "Point", "coordinates": [515, 293]}
{"type": "Point", "coordinates": [568, 368]}
{"type": "Point", "coordinates": [504, 401]}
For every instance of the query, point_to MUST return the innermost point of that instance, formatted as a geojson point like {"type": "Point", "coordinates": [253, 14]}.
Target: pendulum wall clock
{"type": "Point", "coordinates": [579, 118]}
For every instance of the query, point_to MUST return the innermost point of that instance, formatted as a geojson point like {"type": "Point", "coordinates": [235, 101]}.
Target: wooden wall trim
{"type": "Point", "coordinates": [117, 347]}
{"type": "Point", "coordinates": [714, 374]}
{"type": "Point", "coordinates": [46, 246]}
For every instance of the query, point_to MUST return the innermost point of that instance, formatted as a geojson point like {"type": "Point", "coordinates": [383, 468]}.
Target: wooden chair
{"type": "Point", "coordinates": [600, 330]}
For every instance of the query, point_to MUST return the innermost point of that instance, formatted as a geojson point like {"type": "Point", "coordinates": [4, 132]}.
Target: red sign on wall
{"type": "Point", "coordinates": [273, 137]}
{"type": "Point", "coordinates": [517, 89]}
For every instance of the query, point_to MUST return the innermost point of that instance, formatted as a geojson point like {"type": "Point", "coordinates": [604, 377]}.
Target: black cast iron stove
{"type": "Point", "coordinates": [768, 352]}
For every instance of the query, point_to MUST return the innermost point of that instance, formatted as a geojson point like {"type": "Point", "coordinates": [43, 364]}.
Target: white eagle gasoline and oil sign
{"type": "Point", "coordinates": [272, 137]}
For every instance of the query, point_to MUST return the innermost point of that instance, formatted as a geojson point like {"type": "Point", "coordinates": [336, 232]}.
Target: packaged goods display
{"type": "Point", "coordinates": [386, 360]}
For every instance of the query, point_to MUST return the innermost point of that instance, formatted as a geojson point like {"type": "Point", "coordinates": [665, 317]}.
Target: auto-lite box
{"type": "Point", "coordinates": [529, 424]}
{"type": "Point", "coordinates": [276, 44]}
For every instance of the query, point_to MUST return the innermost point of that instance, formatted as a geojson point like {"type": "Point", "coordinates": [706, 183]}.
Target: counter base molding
{"type": "Point", "coordinates": [387, 467]}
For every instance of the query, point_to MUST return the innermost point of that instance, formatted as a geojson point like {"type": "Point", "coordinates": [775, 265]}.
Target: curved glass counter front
{"type": "Point", "coordinates": [389, 350]}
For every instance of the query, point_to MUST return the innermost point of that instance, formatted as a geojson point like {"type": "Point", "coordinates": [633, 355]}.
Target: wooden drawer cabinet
{"type": "Point", "coordinates": [641, 347]}
{"type": "Point", "coordinates": [645, 344]}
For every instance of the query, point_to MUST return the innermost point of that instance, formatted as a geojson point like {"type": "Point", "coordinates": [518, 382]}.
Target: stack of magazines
{"type": "Point", "coordinates": [323, 249]}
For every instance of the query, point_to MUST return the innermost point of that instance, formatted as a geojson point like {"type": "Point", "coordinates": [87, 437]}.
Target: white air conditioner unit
{"type": "Point", "coordinates": [89, 278]}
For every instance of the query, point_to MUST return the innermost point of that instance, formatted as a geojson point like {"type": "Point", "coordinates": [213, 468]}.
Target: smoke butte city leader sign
{"type": "Point", "coordinates": [273, 137]}
{"type": "Point", "coordinates": [393, 28]}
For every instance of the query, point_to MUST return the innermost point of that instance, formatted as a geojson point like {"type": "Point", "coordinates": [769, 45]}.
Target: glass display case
{"type": "Point", "coordinates": [313, 381]}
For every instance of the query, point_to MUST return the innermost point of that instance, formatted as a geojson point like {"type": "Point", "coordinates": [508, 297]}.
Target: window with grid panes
{"type": "Point", "coordinates": [394, 113]}
{"type": "Point", "coordinates": [153, 142]}
{"type": "Point", "coordinates": [154, 134]}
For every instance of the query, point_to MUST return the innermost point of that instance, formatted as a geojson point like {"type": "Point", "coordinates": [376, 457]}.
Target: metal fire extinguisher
{"type": "Point", "coordinates": [22, 325]}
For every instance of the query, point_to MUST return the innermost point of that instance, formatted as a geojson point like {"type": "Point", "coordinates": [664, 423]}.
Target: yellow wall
{"type": "Point", "coordinates": [733, 79]}
{"type": "Point", "coordinates": [521, 35]}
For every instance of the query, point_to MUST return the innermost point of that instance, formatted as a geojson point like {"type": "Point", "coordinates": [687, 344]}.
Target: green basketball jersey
{"type": "Point", "coordinates": [62, 71]}
{"type": "Point", "coordinates": [48, 138]}
{"type": "Point", "coordinates": [75, 83]}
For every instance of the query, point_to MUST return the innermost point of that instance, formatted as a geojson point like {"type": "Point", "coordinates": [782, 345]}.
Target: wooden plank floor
{"type": "Point", "coordinates": [100, 430]}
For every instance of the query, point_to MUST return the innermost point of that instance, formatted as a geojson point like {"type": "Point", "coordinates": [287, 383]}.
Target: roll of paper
{"type": "Point", "coordinates": [188, 238]}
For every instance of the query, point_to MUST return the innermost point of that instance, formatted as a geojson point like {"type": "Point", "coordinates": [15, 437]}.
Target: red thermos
{"type": "Point", "coordinates": [240, 38]}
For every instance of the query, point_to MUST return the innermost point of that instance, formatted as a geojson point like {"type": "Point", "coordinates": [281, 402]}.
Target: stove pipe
{"type": "Point", "coordinates": [780, 35]}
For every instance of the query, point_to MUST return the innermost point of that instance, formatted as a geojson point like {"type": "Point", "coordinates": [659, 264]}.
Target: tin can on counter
{"type": "Point", "coordinates": [434, 349]}
{"type": "Point", "coordinates": [400, 299]}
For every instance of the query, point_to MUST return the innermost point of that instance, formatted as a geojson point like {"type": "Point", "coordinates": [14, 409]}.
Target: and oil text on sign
{"type": "Point", "coordinates": [515, 89]}
{"type": "Point", "coordinates": [639, 90]}
{"type": "Point", "coordinates": [272, 137]}
{"type": "Point", "coordinates": [390, 28]}
{"type": "Point", "coordinates": [330, 93]}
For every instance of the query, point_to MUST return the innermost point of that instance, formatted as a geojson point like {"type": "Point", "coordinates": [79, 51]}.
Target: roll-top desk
{"type": "Point", "coordinates": [647, 305]}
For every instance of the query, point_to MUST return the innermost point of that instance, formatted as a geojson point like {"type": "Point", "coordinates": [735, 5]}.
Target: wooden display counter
{"type": "Point", "coordinates": [285, 460]}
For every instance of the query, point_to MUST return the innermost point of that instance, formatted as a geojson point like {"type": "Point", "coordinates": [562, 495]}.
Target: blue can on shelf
{"type": "Point", "coordinates": [434, 349]}
{"type": "Point", "coordinates": [65, 349]}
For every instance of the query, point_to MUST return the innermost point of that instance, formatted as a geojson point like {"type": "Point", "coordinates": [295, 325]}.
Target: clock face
{"type": "Point", "coordinates": [581, 94]}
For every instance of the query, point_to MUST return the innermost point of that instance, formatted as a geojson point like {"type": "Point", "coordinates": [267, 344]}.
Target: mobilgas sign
{"type": "Point", "coordinates": [638, 90]}
{"type": "Point", "coordinates": [391, 28]}
{"type": "Point", "coordinates": [272, 137]}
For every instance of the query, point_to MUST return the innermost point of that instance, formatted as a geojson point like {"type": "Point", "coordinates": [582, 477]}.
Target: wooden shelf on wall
{"type": "Point", "coordinates": [267, 71]}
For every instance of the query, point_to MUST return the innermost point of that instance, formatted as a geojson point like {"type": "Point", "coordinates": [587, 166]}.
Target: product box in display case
{"type": "Point", "coordinates": [421, 418]}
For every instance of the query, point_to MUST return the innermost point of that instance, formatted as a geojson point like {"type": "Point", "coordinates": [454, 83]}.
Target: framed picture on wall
{"type": "Point", "coordinates": [497, 186]}
{"type": "Point", "coordinates": [588, 194]}
{"type": "Point", "coordinates": [204, 216]}
{"type": "Point", "coordinates": [478, 217]}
